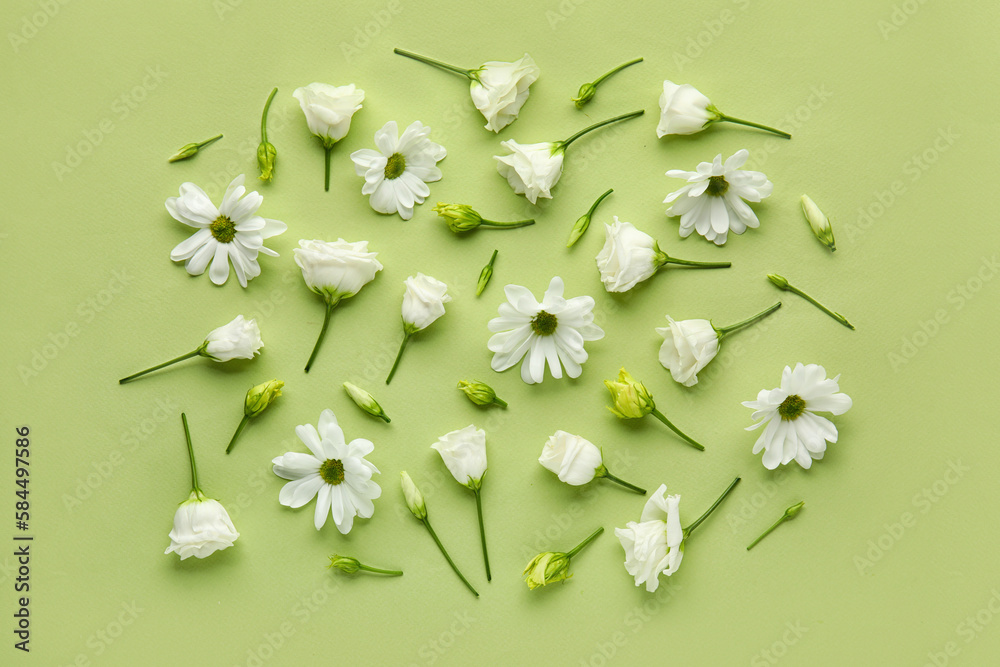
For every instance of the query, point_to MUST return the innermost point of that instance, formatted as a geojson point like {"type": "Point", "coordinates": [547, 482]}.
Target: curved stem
{"type": "Point", "coordinates": [694, 443]}
{"type": "Point", "coordinates": [448, 558]}
{"type": "Point", "coordinates": [399, 355]}
{"type": "Point", "coordinates": [740, 121]}
{"type": "Point", "coordinates": [617, 69]}
{"type": "Point", "coordinates": [700, 265]}
{"type": "Point", "coordinates": [837, 316]}
{"type": "Point", "coordinates": [159, 366]}
{"type": "Point", "coordinates": [239, 429]}
{"type": "Point", "coordinates": [593, 207]}
{"type": "Point", "coordinates": [784, 518]}
{"type": "Point", "coordinates": [593, 536]}
{"type": "Point", "coordinates": [322, 334]}
{"type": "Point", "coordinates": [508, 225]}
{"type": "Point", "coordinates": [326, 179]}
{"type": "Point", "coordinates": [435, 63]}
{"type": "Point", "coordinates": [392, 573]}
{"type": "Point", "coordinates": [194, 468]}
{"type": "Point", "coordinates": [724, 331]}
{"type": "Point", "coordinates": [617, 480]}
{"type": "Point", "coordinates": [565, 144]}
{"type": "Point", "coordinates": [263, 117]}
{"type": "Point", "coordinates": [482, 531]}
{"type": "Point", "coordinates": [690, 529]}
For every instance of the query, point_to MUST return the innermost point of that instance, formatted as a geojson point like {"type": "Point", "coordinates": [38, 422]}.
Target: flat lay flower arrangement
{"type": "Point", "coordinates": [545, 334]}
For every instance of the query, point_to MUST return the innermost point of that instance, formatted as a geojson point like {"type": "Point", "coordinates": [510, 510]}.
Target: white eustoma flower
{"type": "Point", "coordinates": [793, 431]}
{"type": "Point", "coordinates": [201, 527]}
{"type": "Point", "coordinates": [683, 110]}
{"type": "Point", "coordinates": [423, 301]}
{"type": "Point", "coordinates": [232, 232]}
{"type": "Point", "coordinates": [628, 256]}
{"type": "Point", "coordinates": [500, 89]}
{"type": "Point", "coordinates": [464, 453]}
{"type": "Point", "coordinates": [329, 109]}
{"type": "Point", "coordinates": [396, 175]}
{"type": "Point", "coordinates": [573, 459]}
{"type": "Point", "coordinates": [336, 269]}
{"type": "Point", "coordinates": [655, 544]}
{"type": "Point", "coordinates": [336, 472]}
{"type": "Point", "coordinates": [551, 332]}
{"type": "Point", "coordinates": [688, 346]}
{"type": "Point", "coordinates": [531, 169]}
{"type": "Point", "coordinates": [240, 339]}
{"type": "Point", "coordinates": [712, 203]}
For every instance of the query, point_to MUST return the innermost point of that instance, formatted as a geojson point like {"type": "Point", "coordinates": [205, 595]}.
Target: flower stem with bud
{"type": "Point", "coordinates": [789, 514]}
{"type": "Point", "coordinates": [190, 150]}
{"type": "Point", "coordinates": [588, 90]}
{"type": "Point", "coordinates": [584, 221]}
{"type": "Point", "coordinates": [783, 284]}
{"type": "Point", "coordinates": [486, 274]}
{"type": "Point", "coordinates": [266, 152]}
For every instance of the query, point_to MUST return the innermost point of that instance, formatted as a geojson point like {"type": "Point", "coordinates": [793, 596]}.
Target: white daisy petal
{"type": "Point", "coordinates": [298, 492]}
{"type": "Point", "coordinates": [323, 502]}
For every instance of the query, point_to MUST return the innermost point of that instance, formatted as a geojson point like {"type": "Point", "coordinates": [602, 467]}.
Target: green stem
{"type": "Point", "coordinates": [606, 474]}
{"type": "Point", "coordinates": [508, 225]}
{"type": "Point", "coordinates": [565, 144]}
{"type": "Point", "coordinates": [690, 529]}
{"type": "Point", "coordinates": [724, 331]}
{"type": "Point", "coordinates": [322, 333]}
{"type": "Point", "coordinates": [499, 401]}
{"type": "Point", "coordinates": [194, 469]}
{"type": "Point", "coordinates": [202, 144]}
{"type": "Point", "coordinates": [392, 573]}
{"type": "Point", "coordinates": [482, 531]}
{"type": "Point", "coordinates": [593, 207]}
{"type": "Point", "coordinates": [615, 70]}
{"type": "Point", "coordinates": [699, 265]}
{"type": "Point", "coordinates": [326, 179]}
{"type": "Point", "coordinates": [399, 355]}
{"type": "Point", "coordinates": [263, 117]}
{"type": "Point", "coordinates": [593, 536]}
{"type": "Point", "coordinates": [784, 518]}
{"type": "Point", "coordinates": [239, 429]}
{"type": "Point", "coordinates": [740, 121]}
{"type": "Point", "coordinates": [435, 63]}
{"type": "Point", "coordinates": [158, 367]}
{"type": "Point", "coordinates": [659, 415]}
{"type": "Point", "coordinates": [448, 558]}
{"type": "Point", "coordinates": [837, 316]}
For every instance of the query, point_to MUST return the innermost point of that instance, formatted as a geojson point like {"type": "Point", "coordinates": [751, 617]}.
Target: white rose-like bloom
{"type": "Point", "coordinates": [201, 527]}
{"type": "Point", "coordinates": [396, 175]}
{"type": "Point", "coordinates": [240, 339]}
{"type": "Point", "coordinates": [338, 269]}
{"type": "Point", "coordinates": [423, 301]}
{"type": "Point", "coordinates": [464, 452]}
{"type": "Point", "coordinates": [656, 543]}
{"type": "Point", "coordinates": [684, 110]}
{"type": "Point", "coordinates": [329, 109]}
{"type": "Point", "coordinates": [500, 89]}
{"type": "Point", "coordinates": [574, 459]}
{"type": "Point", "coordinates": [628, 257]}
{"type": "Point", "coordinates": [712, 203]}
{"type": "Point", "coordinates": [793, 431]}
{"type": "Point", "coordinates": [531, 169]}
{"type": "Point", "coordinates": [688, 346]}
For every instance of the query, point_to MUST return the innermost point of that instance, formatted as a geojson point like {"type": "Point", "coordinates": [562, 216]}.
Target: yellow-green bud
{"type": "Point", "coordinates": [794, 509]}
{"type": "Point", "coordinates": [365, 401]}
{"type": "Point", "coordinates": [780, 281]}
{"type": "Point", "coordinates": [266, 155]}
{"type": "Point", "coordinates": [630, 398]}
{"type": "Point", "coordinates": [414, 499]}
{"type": "Point", "coordinates": [578, 229]}
{"type": "Point", "coordinates": [586, 93]}
{"type": "Point", "coordinates": [345, 563]}
{"type": "Point", "coordinates": [486, 274]}
{"type": "Point", "coordinates": [188, 150]}
{"type": "Point", "coordinates": [480, 393]}
{"type": "Point", "coordinates": [460, 217]}
{"type": "Point", "coordinates": [819, 223]}
{"type": "Point", "coordinates": [547, 568]}
{"type": "Point", "coordinates": [261, 396]}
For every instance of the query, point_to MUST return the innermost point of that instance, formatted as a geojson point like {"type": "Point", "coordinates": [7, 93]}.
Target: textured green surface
{"type": "Point", "coordinates": [87, 251]}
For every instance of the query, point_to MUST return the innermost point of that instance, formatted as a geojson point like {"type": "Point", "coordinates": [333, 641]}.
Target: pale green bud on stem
{"type": "Point", "coordinates": [189, 150]}
{"type": "Point", "coordinates": [480, 393]}
{"type": "Point", "coordinates": [584, 221]}
{"type": "Point", "coordinates": [818, 222]}
{"type": "Point", "coordinates": [351, 565]}
{"type": "Point", "coordinates": [266, 153]}
{"type": "Point", "coordinates": [789, 514]}
{"type": "Point", "coordinates": [365, 401]}
{"type": "Point", "coordinates": [549, 567]}
{"type": "Point", "coordinates": [257, 400]}
{"type": "Point", "coordinates": [463, 218]}
{"type": "Point", "coordinates": [588, 90]}
{"type": "Point", "coordinates": [486, 274]}
{"type": "Point", "coordinates": [631, 400]}
{"type": "Point", "coordinates": [782, 283]}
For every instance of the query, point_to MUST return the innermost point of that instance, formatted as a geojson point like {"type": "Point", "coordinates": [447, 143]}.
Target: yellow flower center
{"type": "Point", "coordinates": [717, 186]}
{"type": "Point", "coordinates": [332, 471]}
{"type": "Point", "coordinates": [544, 324]}
{"type": "Point", "coordinates": [792, 407]}
{"type": "Point", "coordinates": [223, 229]}
{"type": "Point", "coordinates": [395, 166]}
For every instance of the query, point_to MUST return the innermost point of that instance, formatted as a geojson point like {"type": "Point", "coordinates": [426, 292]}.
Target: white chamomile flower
{"type": "Point", "coordinates": [336, 472]}
{"type": "Point", "coordinates": [232, 232]}
{"type": "Point", "coordinates": [552, 331]}
{"type": "Point", "coordinates": [714, 202]}
{"type": "Point", "coordinates": [396, 175]}
{"type": "Point", "coordinates": [793, 431]}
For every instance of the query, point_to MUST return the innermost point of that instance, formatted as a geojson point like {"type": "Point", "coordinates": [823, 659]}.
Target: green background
{"type": "Point", "coordinates": [891, 108]}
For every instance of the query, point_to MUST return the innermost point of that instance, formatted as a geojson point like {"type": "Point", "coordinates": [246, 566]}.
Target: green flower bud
{"type": "Point", "coordinates": [584, 221]}
{"type": "Point", "coordinates": [480, 393]}
{"type": "Point", "coordinates": [266, 155]}
{"type": "Point", "coordinates": [779, 281]}
{"type": "Point", "coordinates": [547, 568]}
{"type": "Point", "coordinates": [365, 401]}
{"type": "Point", "coordinates": [345, 563]}
{"type": "Point", "coordinates": [794, 509]}
{"type": "Point", "coordinates": [486, 274]}
{"type": "Point", "coordinates": [191, 149]}
{"type": "Point", "coordinates": [261, 396]}
{"type": "Point", "coordinates": [587, 92]}
{"type": "Point", "coordinates": [819, 223]}
{"type": "Point", "coordinates": [630, 398]}
{"type": "Point", "coordinates": [414, 499]}
{"type": "Point", "coordinates": [460, 217]}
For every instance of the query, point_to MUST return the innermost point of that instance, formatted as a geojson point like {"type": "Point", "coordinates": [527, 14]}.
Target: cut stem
{"type": "Point", "coordinates": [593, 207]}
{"type": "Point", "coordinates": [593, 536]}
{"type": "Point", "coordinates": [698, 265]}
{"type": "Point", "coordinates": [740, 121]}
{"type": "Point", "coordinates": [616, 70]}
{"type": "Point", "coordinates": [202, 144]}
{"type": "Point", "coordinates": [565, 144]}
{"type": "Point", "coordinates": [508, 225]}
{"type": "Point", "coordinates": [194, 468]}
{"type": "Point", "coordinates": [789, 514]}
{"type": "Point", "coordinates": [326, 178]}
{"type": "Point", "coordinates": [159, 366]}
{"type": "Point", "coordinates": [263, 117]}
{"type": "Point", "coordinates": [617, 480]}
{"type": "Point", "coordinates": [391, 573]}
{"type": "Point", "coordinates": [694, 443]}
{"type": "Point", "coordinates": [322, 333]}
{"type": "Point", "coordinates": [482, 531]}
{"type": "Point", "coordinates": [690, 529]}
{"type": "Point", "coordinates": [448, 558]}
{"type": "Point", "coordinates": [399, 355]}
{"type": "Point", "coordinates": [724, 331]}
{"type": "Point", "coordinates": [239, 429]}
{"type": "Point", "coordinates": [835, 315]}
{"type": "Point", "coordinates": [435, 63]}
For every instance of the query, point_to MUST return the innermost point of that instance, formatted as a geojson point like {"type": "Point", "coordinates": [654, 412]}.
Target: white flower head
{"type": "Point", "coordinates": [551, 332]}
{"type": "Point", "coordinates": [655, 544]}
{"type": "Point", "coordinates": [688, 346]}
{"type": "Point", "coordinates": [232, 232]}
{"type": "Point", "coordinates": [336, 472]}
{"type": "Point", "coordinates": [531, 169]}
{"type": "Point", "coordinates": [575, 460]}
{"type": "Point", "coordinates": [201, 527]}
{"type": "Point", "coordinates": [396, 175]}
{"type": "Point", "coordinates": [240, 339]}
{"type": "Point", "coordinates": [464, 452]}
{"type": "Point", "coordinates": [714, 202]}
{"type": "Point", "coordinates": [423, 301]}
{"type": "Point", "coordinates": [628, 257]}
{"type": "Point", "coordinates": [684, 110]}
{"type": "Point", "coordinates": [793, 431]}
{"type": "Point", "coordinates": [337, 269]}
{"type": "Point", "coordinates": [329, 109]}
{"type": "Point", "coordinates": [500, 89]}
